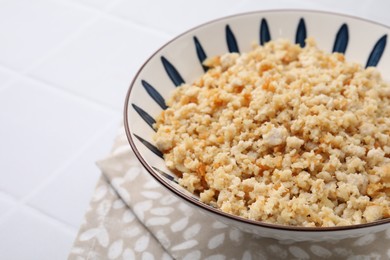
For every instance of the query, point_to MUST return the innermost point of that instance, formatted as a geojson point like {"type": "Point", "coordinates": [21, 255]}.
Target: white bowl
{"type": "Point", "coordinates": [180, 61]}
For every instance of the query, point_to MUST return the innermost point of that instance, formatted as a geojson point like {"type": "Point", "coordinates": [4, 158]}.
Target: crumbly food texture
{"type": "Point", "coordinates": [283, 134]}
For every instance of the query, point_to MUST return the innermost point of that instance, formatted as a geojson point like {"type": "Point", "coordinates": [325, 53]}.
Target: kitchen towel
{"type": "Point", "coordinates": [131, 216]}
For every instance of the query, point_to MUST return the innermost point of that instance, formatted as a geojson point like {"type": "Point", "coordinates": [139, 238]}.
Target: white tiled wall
{"type": "Point", "coordinates": [65, 66]}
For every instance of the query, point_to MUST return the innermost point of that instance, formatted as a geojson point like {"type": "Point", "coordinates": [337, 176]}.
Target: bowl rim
{"type": "Point", "coordinates": [204, 206]}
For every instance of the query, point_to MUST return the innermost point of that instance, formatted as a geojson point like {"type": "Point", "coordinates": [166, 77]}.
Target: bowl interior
{"type": "Point", "coordinates": [180, 61]}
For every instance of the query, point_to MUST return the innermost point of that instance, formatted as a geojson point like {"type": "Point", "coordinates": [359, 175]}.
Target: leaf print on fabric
{"type": "Point", "coordinates": [132, 173]}
{"type": "Point", "coordinates": [128, 254]}
{"type": "Point", "coordinates": [77, 250]}
{"type": "Point", "coordinates": [142, 243]}
{"type": "Point", "coordinates": [365, 240]}
{"type": "Point", "coordinates": [320, 251]}
{"type": "Point", "coordinates": [343, 252]}
{"type": "Point", "coordinates": [219, 225]}
{"type": "Point", "coordinates": [151, 194]}
{"type": "Point", "coordinates": [117, 182]}
{"type": "Point", "coordinates": [103, 237]}
{"type": "Point", "coordinates": [147, 256]}
{"type": "Point", "coordinates": [216, 257]}
{"type": "Point", "coordinates": [277, 251]}
{"type": "Point", "coordinates": [184, 207]}
{"type": "Point", "coordinates": [128, 216]}
{"type": "Point", "coordinates": [111, 190]}
{"type": "Point", "coordinates": [100, 234]}
{"type": "Point", "coordinates": [131, 232]}
{"type": "Point", "coordinates": [165, 256]}
{"type": "Point", "coordinates": [192, 231]}
{"type": "Point", "coordinates": [163, 238]}
{"type": "Point", "coordinates": [193, 255]}
{"type": "Point", "coordinates": [161, 211]}
{"type": "Point", "coordinates": [298, 252]}
{"type": "Point", "coordinates": [179, 225]}
{"type": "Point", "coordinates": [235, 235]}
{"type": "Point", "coordinates": [157, 221]}
{"type": "Point", "coordinates": [216, 241]}
{"type": "Point", "coordinates": [93, 255]}
{"type": "Point", "coordinates": [140, 208]}
{"type": "Point", "coordinates": [247, 255]}
{"type": "Point", "coordinates": [90, 233]}
{"type": "Point", "coordinates": [168, 200]}
{"type": "Point", "coordinates": [185, 245]}
{"type": "Point", "coordinates": [115, 250]}
{"type": "Point", "coordinates": [118, 204]}
{"type": "Point", "coordinates": [124, 193]}
{"type": "Point", "coordinates": [151, 184]}
{"type": "Point", "coordinates": [99, 193]}
{"type": "Point", "coordinates": [103, 208]}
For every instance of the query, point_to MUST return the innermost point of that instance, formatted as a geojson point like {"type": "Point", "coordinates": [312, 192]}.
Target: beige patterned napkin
{"type": "Point", "coordinates": [132, 217]}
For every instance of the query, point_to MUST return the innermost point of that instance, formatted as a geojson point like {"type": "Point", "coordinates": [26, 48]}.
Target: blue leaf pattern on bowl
{"type": "Point", "coordinates": [265, 35]}
{"type": "Point", "coordinates": [301, 34]}
{"type": "Point", "coordinates": [377, 52]}
{"type": "Point", "coordinates": [172, 72]}
{"type": "Point", "coordinates": [154, 94]}
{"type": "Point", "coordinates": [166, 175]}
{"type": "Point", "coordinates": [340, 45]}
{"type": "Point", "coordinates": [342, 38]}
{"type": "Point", "coordinates": [145, 116]}
{"type": "Point", "coordinates": [150, 146]}
{"type": "Point", "coordinates": [200, 52]}
{"type": "Point", "coordinates": [231, 40]}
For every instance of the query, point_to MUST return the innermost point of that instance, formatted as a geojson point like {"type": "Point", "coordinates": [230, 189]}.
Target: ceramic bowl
{"type": "Point", "coordinates": [180, 60]}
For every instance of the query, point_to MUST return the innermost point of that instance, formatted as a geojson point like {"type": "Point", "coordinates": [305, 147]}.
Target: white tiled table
{"type": "Point", "coordinates": [65, 66]}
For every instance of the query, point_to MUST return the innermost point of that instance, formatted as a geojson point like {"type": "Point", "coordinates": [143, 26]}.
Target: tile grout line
{"type": "Point", "coordinates": [62, 90]}
{"type": "Point", "coordinates": [8, 196]}
{"type": "Point", "coordinates": [106, 13]}
{"type": "Point", "coordinates": [99, 13]}
{"type": "Point", "coordinates": [17, 205]}
{"type": "Point", "coordinates": [90, 101]}
{"type": "Point", "coordinates": [65, 226]}
{"type": "Point", "coordinates": [88, 6]}
{"type": "Point", "coordinates": [96, 15]}
{"type": "Point", "coordinates": [145, 27]}
{"type": "Point", "coordinates": [72, 159]}
{"type": "Point", "coordinates": [23, 202]}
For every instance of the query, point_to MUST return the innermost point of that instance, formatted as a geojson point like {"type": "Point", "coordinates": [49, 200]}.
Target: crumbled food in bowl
{"type": "Point", "coordinates": [285, 135]}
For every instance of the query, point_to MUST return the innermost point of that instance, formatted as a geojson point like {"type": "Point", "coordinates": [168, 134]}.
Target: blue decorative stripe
{"type": "Point", "coordinates": [153, 93]}
{"type": "Point", "coordinates": [172, 72]}
{"type": "Point", "coordinates": [377, 52]}
{"type": "Point", "coordinates": [231, 40]}
{"type": "Point", "coordinates": [150, 146]}
{"type": "Point", "coordinates": [169, 177]}
{"type": "Point", "coordinates": [341, 41]}
{"type": "Point", "coordinates": [300, 36]}
{"type": "Point", "coordinates": [265, 35]}
{"type": "Point", "coordinates": [145, 116]}
{"type": "Point", "coordinates": [201, 54]}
